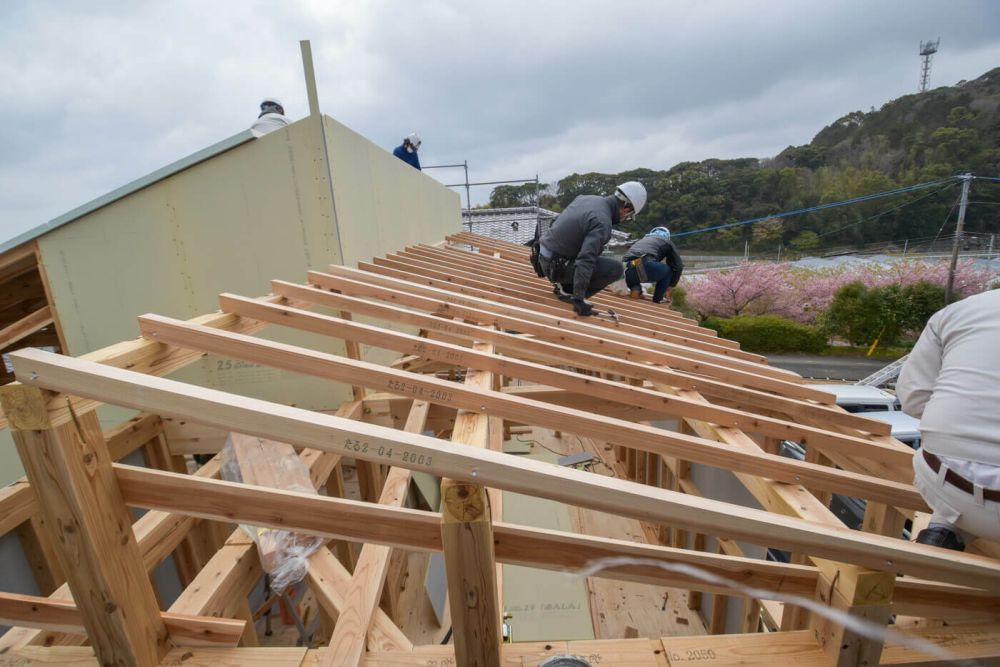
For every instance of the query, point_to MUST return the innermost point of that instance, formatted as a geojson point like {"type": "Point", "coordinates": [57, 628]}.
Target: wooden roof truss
{"type": "Point", "coordinates": [494, 351]}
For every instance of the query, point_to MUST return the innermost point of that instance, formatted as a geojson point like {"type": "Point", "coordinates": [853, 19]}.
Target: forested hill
{"type": "Point", "coordinates": [913, 139]}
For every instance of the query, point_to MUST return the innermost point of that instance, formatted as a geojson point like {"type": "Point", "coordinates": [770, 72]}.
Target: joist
{"type": "Point", "coordinates": [329, 433]}
{"type": "Point", "coordinates": [544, 375]}
{"type": "Point", "coordinates": [638, 436]}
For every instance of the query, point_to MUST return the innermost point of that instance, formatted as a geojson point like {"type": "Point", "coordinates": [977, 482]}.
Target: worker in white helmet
{"type": "Point", "coordinates": [271, 118]}
{"type": "Point", "coordinates": [407, 151]}
{"type": "Point", "coordinates": [653, 259]}
{"type": "Point", "coordinates": [570, 250]}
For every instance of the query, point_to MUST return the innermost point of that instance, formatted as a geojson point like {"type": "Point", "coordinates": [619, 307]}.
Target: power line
{"type": "Point", "coordinates": [821, 207]}
{"type": "Point", "coordinates": [886, 212]}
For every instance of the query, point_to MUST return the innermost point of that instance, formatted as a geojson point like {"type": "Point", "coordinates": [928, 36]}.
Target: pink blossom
{"type": "Point", "coordinates": [801, 293]}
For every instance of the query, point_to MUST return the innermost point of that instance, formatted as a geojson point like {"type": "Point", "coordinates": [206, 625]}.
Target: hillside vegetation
{"type": "Point", "coordinates": [913, 139]}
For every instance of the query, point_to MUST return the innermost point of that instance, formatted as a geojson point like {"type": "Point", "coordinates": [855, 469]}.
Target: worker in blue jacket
{"type": "Point", "coordinates": [653, 259]}
{"type": "Point", "coordinates": [407, 151]}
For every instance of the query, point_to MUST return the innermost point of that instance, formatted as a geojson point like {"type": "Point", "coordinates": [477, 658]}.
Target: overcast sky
{"type": "Point", "coordinates": [99, 93]}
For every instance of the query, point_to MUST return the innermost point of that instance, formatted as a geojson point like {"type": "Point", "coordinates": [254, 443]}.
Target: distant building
{"type": "Point", "coordinates": [517, 225]}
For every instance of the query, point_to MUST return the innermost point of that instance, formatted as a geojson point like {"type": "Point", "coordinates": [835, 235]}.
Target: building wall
{"type": "Point", "coordinates": [382, 205]}
{"type": "Point", "coordinates": [267, 208]}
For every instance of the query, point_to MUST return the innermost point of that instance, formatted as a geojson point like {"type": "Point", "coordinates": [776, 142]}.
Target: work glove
{"type": "Point", "coordinates": [582, 307]}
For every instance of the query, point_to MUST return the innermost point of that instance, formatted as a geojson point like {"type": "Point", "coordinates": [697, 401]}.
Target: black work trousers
{"type": "Point", "coordinates": [606, 271]}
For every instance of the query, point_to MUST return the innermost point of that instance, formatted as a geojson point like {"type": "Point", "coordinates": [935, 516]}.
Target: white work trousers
{"type": "Point", "coordinates": [969, 512]}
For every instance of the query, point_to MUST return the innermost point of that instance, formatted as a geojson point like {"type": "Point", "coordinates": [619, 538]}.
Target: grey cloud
{"type": "Point", "coordinates": [105, 92]}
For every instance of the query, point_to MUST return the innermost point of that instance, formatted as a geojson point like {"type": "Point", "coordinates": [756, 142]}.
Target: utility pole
{"type": "Point", "coordinates": [966, 180]}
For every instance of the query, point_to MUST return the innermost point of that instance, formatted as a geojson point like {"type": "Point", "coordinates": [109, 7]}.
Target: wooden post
{"type": "Point", "coordinates": [860, 592]}
{"type": "Point", "coordinates": [720, 607]}
{"type": "Point", "coordinates": [467, 536]}
{"type": "Point", "coordinates": [69, 468]}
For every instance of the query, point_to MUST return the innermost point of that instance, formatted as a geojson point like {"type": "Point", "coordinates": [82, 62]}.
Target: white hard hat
{"type": "Point", "coordinates": [634, 193]}
{"type": "Point", "coordinates": [659, 231]}
{"type": "Point", "coordinates": [269, 103]}
{"type": "Point", "coordinates": [414, 140]}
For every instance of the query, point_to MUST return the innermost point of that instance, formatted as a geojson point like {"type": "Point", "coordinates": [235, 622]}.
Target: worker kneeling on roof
{"type": "Point", "coordinates": [653, 259]}
{"type": "Point", "coordinates": [570, 250]}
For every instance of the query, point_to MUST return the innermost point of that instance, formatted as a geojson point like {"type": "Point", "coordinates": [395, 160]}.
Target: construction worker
{"type": "Point", "coordinates": [407, 151]}
{"type": "Point", "coordinates": [653, 259]}
{"type": "Point", "coordinates": [570, 250]}
{"type": "Point", "coordinates": [271, 118]}
{"type": "Point", "coordinates": [951, 382]}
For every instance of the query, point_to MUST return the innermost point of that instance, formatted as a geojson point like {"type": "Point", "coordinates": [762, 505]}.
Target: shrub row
{"type": "Point", "coordinates": [769, 333]}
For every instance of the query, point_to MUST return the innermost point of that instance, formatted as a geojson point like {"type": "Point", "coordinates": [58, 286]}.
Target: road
{"type": "Point", "coordinates": [828, 368]}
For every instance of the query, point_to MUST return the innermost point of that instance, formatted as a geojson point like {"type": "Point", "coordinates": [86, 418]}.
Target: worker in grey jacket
{"type": "Point", "coordinates": [951, 382]}
{"type": "Point", "coordinates": [570, 250]}
{"type": "Point", "coordinates": [653, 259]}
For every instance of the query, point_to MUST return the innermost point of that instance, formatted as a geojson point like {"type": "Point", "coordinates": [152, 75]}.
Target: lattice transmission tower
{"type": "Point", "coordinates": [927, 50]}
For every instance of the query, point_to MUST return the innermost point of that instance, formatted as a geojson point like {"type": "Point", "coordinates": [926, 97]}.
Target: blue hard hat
{"type": "Point", "coordinates": [659, 231]}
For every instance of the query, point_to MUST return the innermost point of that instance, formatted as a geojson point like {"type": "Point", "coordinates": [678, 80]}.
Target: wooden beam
{"type": "Point", "coordinates": [638, 436]}
{"type": "Point", "coordinates": [25, 327]}
{"type": "Point", "coordinates": [800, 648]}
{"type": "Point", "coordinates": [31, 611]}
{"type": "Point", "coordinates": [70, 470]}
{"type": "Point", "coordinates": [145, 357]}
{"type": "Point", "coordinates": [328, 578]}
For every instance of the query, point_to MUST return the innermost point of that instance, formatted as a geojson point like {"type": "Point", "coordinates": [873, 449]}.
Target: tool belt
{"type": "Point", "coordinates": [557, 268]}
{"type": "Point", "coordinates": [640, 269]}
{"type": "Point", "coordinates": [957, 480]}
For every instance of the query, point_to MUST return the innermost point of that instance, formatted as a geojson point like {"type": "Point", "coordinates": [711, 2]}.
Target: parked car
{"type": "Point", "coordinates": [905, 428]}
{"type": "Point", "coordinates": [860, 398]}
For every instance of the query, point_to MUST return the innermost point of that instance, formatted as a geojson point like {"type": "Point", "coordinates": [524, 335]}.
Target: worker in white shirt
{"type": "Point", "coordinates": [951, 382]}
{"type": "Point", "coordinates": [271, 118]}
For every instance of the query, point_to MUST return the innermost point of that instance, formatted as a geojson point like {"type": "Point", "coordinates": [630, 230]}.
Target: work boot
{"type": "Point", "coordinates": [636, 293]}
{"type": "Point", "coordinates": [942, 537]}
